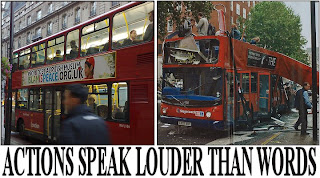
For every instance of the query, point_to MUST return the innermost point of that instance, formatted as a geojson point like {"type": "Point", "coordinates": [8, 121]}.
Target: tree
{"type": "Point", "coordinates": [6, 68]}
{"type": "Point", "coordinates": [278, 27]}
{"type": "Point", "coordinates": [173, 10]}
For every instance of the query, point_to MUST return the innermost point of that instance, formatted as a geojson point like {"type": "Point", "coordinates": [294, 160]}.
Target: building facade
{"type": "Point", "coordinates": [34, 20]}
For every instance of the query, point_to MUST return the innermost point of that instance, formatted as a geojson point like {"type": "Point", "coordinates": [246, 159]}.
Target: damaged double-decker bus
{"type": "Point", "coordinates": [230, 84]}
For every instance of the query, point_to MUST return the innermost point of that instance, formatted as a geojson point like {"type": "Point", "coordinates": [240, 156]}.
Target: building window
{"type": "Point", "coordinates": [29, 20]}
{"type": "Point", "coordinates": [28, 37]}
{"type": "Point", "coordinates": [248, 3]}
{"type": "Point", "coordinates": [115, 3]}
{"type": "Point", "coordinates": [19, 26]}
{"type": "Point", "coordinates": [231, 5]}
{"type": "Point", "coordinates": [169, 26]}
{"type": "Point", "coordinates": [39, 15]}
{"type": "Point", "coordinates": [93, 8]}
{"type": "Point", "coordinates": [238, 9]}
{"type": "Point", "coordinates": [19, 42]}
{"type": "Point", "coordinates": [231, 20]}
{"type": "Point", "coordinates": [238, 22]}
{"type": "Point", "coordinates": [244, 13]}
{"type": "Point", "coordinates": [50, 8]}
{"type": "Point", "coordinates": [49, 28]}
{"type": "Point", "coordinates": [77, 15]}
{"type": "Point", "coordinates": [64, 21]}
{"type": "Point", "coordinates": [253, 3]}
{"type": "Point", "coordinates": [38, 32]}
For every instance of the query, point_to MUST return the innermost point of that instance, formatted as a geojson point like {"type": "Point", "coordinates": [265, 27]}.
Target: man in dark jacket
{"type": "Point", "coordinates": [82, 126]}
{"type": "Point", "coordinates": [302, 103]}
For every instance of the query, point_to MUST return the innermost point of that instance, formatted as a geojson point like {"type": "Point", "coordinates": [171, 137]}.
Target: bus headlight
{"type": "Point", "coordinates": [164, 110]}
{"type": "Point", "coordinates": [208, 114]}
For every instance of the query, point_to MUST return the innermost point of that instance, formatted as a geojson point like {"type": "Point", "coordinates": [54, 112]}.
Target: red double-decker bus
{"type": "Point", "coordinates": [119, 76]}
{"type": "Point", "coordinates": [227, 83]}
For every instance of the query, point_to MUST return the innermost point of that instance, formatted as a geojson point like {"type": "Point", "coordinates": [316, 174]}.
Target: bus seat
{"type": "Point", "coordinates": [171, 91]}
{"type": "Point", "coordinates": [102, 111]}
{"type": "Point", "coordinates": [116, 45]}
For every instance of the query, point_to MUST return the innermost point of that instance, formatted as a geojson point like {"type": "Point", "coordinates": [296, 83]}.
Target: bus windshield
{"type": "Point", "coordinates": [192, 86]}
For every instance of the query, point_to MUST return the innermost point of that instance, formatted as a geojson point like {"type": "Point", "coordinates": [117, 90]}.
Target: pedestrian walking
{"type": "Point", "coordinates": [82, 126]}
{"type": "Point", "coordinates": [302, 103]}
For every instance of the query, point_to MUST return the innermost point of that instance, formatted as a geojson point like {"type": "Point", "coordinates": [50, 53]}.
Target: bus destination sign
{"type": "Point", "coordinates": [96, 67]}
{"type": "Point", "coordinates": [257, 59]}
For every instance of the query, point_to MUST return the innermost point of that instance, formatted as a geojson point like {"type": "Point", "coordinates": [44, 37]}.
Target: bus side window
{"type": "Point", "coordinates": [98, 100]}
{"type": "Point", "coordinates": [130, 26]}
{"type": "Point", "coordinates": [55, 50]}
{"type": "Point", "coordinates": [120, 105]}
{"type": "Point", "coordinates": [22, 99]}
{"type": "Point", "coordinates": [95, 38]}
{"type": "Point", "coordinates": [72, 45]}
{"type": "Point", "coordinates": [24, 59]}
{"type": "Point", "coordinates": [254, 77]}
{"type": "Point", "coordinates": [37, 55]}
{"type": "Point", "coordinates": [245, 82]}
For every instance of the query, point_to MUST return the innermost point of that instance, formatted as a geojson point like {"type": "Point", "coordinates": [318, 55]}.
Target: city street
{"type": "Point", "coordinates": [286, 135]}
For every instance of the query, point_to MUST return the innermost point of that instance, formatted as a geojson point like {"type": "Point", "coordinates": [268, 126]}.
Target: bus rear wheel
{"type": "Point", "coordinates": [21, 128]}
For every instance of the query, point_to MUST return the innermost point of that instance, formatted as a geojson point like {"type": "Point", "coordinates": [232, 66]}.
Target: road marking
{"type": "Point", "coordinates": [166, 125]}
{"type": "Point", "coordinates": [271, 138]}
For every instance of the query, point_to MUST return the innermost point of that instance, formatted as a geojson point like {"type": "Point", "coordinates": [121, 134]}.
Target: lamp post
{"type": "Point", "coordinates": [8, 107]}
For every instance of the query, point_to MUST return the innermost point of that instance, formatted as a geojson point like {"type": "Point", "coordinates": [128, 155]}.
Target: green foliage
{"type": "Point", "coordinates": [172, 9]}
{"type": "Point", "coordinates": [5, 68]}
{"type": "Point", "coordinates": [278, 27]}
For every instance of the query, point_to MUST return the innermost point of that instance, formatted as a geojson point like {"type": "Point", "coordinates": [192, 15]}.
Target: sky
{"type": "Point", "coordinates": [303, 10]}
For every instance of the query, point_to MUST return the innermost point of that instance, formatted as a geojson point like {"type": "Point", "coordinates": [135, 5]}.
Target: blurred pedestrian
{"type": "Point", "coordinates": [81, 127]}
{"type": "Point", "coordinates": [302, 103]}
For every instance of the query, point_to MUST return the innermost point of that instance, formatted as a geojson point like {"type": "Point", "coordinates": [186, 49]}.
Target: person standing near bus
{"type": "Point", "coordinates": [89, 68]}
{"type": "Point", "coordinates": [81, 127]}
{"type": "Point", "coordinates": [202, 27]}
{"type": "Point", "coordinates": [302, 103]}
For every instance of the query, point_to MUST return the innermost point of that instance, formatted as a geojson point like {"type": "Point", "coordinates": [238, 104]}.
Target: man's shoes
{"type": "Point", "coordinates": [296, 128]}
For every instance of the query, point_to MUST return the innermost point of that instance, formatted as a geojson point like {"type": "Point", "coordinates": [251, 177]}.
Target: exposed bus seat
{"type": "Point", "coordinates": [119, 115]}
{"type": "Point", "coordinates": [171, 91]}
{"type": "Point", "coordinates": [93, 50]}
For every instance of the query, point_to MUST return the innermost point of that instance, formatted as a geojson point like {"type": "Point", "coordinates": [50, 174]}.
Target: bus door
{"type": "Point", "coordinates": [53, 112]}
{"type": "Point", "coordinates": [264, 92]}
{"type": "Point", "coordinates": [13, 115]}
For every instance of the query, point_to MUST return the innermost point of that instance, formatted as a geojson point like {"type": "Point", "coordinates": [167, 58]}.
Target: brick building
{"type": "Point", "coordinates": [35, 19]}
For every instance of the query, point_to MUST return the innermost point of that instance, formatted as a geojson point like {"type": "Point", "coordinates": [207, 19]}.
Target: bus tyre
{"type": "Point", "coordinates": [21, 128]}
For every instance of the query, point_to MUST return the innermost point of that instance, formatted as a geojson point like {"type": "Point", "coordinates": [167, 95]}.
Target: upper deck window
{"type": "Point", "coordinates": [38, 55]}
{"type": "Point", "coordinates": [72, 44]}
{"type": "Point", "coordinates": [55, 50]}
{"type": "Point", "coordinates": [15, 62]}
{"type": "Point", "coordinates": [95, 38]}
{"type": "Point", "coordinates": [133, 26]}
{"type": "Point", "coordinates": [24, 59]}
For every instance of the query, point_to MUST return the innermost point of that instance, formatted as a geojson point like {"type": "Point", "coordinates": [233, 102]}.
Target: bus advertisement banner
{"type": "Point", "coordinates": [96, 67]}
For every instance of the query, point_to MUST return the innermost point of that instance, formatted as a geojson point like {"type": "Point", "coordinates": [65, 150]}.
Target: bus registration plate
{"type": "Point", "coordinates": [184, 123]}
